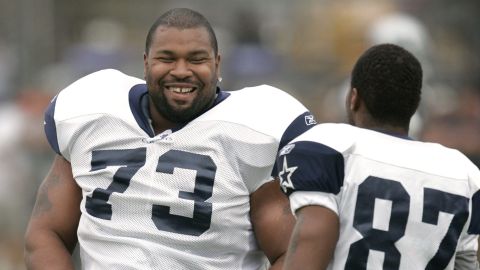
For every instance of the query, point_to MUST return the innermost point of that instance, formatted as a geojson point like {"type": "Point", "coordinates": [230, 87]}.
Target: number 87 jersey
{"type": "Point", "coordinates": [402, 204]}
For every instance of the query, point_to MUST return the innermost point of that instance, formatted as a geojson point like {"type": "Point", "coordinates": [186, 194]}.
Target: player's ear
{"type": "Point", "coordinates": [217, 65]}
{"type": "Point", "coordinates": [145, 63]}
{"type": "Point", "coordinates": [354, 100]}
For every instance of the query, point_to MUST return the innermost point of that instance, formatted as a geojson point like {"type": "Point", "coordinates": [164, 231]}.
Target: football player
{"type": "Point", "coordinates": [167, 173]}
{"type": "Point", "coordinates": [365, 195]}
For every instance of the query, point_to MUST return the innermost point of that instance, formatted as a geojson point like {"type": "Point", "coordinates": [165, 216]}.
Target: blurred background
{"type": "Point", "coordinates": [305, 47]}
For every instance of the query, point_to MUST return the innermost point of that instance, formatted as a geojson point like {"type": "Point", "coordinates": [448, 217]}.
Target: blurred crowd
{"type": "Point", "coordinates": [305, 47]}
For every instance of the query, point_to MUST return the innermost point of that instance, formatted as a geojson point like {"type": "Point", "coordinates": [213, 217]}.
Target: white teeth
{"type": "Point", "coordinates": [181, 90]}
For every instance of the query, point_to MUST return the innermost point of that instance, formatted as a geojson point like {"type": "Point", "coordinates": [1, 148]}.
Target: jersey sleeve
{"type": "Point", "coordinates": [292, 118]}
{"type": "Point", "coordinates": [298, 126]}
{"type": "Point", "coordinates": [311, 173]}
{"type": "Point", "coordinates": [466, 260]}
{"type": "Point", "coordinates": [84, 100]}
{"type": "Point", "coordinates": [50, 126]}
{"type": "Point", "coordinates": [466, 253]}
{"type": "Point", "coordinates": [271, 112]}
{"type": "Point", "coordinates": [300, 199]}
{"type": "Point", "coordinates": [474, 226]}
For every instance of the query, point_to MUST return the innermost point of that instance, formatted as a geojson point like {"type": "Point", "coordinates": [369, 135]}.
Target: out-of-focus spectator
{"type": "Point", "coordinates": [409, 32]}
{"type": "Point", "coordinates": [8, 66]}
{"type": "Point", "coordinates": [248, 61]}
{"type": "Point", "coordinates": [12, 179]}
{"type": "Point", "coordinates": [101, 47]}
{"type": "Point", "coordinates": [24, 153]}
{"type": "Point", "coordinates": [460, 127]}
{"type": "Point", "coordinates": [326, 40]}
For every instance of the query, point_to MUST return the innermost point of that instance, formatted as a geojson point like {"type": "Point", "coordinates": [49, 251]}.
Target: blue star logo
{"type": "Point", "coordinates": [285, 175]}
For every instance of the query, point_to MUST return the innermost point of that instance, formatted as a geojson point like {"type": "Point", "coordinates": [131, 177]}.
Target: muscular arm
{"type": "Point", "coordinates": [313, 240]}
{"type": "Point", "coordinates": [466, 254]}
{"type": "Point", "coordinates": [468, 242]}
{"type": "Point", "coordinates": [51, 233]}
{"type": "Point", "coordinates": [272, 221]}
{"type": "Point", "coordinates": [466, 260]}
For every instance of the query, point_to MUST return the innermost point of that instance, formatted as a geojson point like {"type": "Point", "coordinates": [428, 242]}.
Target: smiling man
{"type": "Point", "coordinates": [167, 173]}
{"type": "Point", "coordinates": [181, 69]}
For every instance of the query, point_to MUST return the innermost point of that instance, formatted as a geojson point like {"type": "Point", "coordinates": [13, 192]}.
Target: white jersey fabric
{"type": "Point", "coordinates": [402, 204]}
{"type": "Point", "coordinates": [177, 200]}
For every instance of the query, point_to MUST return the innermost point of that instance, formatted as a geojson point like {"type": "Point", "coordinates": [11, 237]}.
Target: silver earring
{"type": "Point", "coordinates": [220, 79]}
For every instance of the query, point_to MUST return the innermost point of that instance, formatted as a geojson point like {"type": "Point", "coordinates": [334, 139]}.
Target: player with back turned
{"type": "Point", "coordinates": [167, 173]}
{"type": "Point", "coordinates": [366, 196]}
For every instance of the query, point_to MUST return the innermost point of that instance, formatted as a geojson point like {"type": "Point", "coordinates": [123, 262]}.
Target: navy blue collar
{"type": "Point", "coordinates": [138, 100]}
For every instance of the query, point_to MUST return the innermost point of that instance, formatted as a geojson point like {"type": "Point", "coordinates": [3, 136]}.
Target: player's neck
{"type": "Point", "coordinates": [383, 127]}
{"type": "Point", "coordinates": [159, 122]}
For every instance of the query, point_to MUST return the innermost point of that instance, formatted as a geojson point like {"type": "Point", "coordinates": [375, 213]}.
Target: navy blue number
{"type": "Point", "coordinates": [380, 240]}
{"type": "Point", "coordinates": [132, 159]}
{"type": "Point", "coordinates": [434, 202]}
{"type": "Point", "coordinates": [202, 213]}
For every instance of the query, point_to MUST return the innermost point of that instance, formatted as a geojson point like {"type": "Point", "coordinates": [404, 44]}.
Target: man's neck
{"type": "Point", "coordinates": [382, 127]}
{"type": "Point", "coordinates": [158, 121]}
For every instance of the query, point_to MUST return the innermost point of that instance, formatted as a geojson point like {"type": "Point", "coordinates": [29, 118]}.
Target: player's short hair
{"type": "Point", "coordinates": [182, 18]}
{"type": "Point", "coordinates": [388, 79]}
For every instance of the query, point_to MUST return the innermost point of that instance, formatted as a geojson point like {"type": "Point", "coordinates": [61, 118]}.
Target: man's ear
{"type": "Point", "coordinates": [145, 63]}
{"type": "Point", "coordinates": [354, 103]}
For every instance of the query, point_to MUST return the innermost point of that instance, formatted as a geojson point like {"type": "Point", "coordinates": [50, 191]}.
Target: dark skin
{"type": "Point", "coordinates": [181, 70]}
{"type": "Point", "coordinates": [180, 59]}
{"type": "Point", "coordinates": [317, 229]}
{"type": "Point", "coordinates": [313, 239]}
{"type": "Point", "coordinates": [51, 235]}
{"type": "Point", "coordinates": [272, 221]}
{"type": "Point", "coordinates": [478, 251]}
{"type": "Point", "coordinates": [359, 116]}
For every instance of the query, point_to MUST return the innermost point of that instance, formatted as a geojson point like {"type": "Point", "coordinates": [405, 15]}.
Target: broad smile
{"type": "Point", "coordinates": [181, 90]}
{"type": "Point", "coordinates": [180, 94]}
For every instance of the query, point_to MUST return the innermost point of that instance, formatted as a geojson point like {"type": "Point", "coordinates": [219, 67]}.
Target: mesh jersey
{"type": "Point", "coordinates": [402, 204]}
{"type": "Point", "coordinates": [178, 200]}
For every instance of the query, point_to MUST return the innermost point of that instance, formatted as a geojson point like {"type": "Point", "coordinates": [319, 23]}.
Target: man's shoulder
{"type": "Point", "coordinates": [264, 93]}
{"type": "Point", "coordinates": [336, 135]}
{"type": "Point", "coordinates": [263, 108]}
{"type": "Point", "coordinates": [264, 99]}
{"type": "Point", "coordinates": [103, 91]}
{"type": "Point", "coordinates": [102, 81]}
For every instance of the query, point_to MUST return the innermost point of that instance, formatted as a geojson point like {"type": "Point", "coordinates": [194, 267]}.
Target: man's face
{"type": "Point", "coordinates": [181, 70]}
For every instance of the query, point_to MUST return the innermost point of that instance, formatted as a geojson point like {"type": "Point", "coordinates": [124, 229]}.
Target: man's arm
{"type": "Point", "coordinates": [466, 260]}
{"type": "Point", "coordinates": [466, 253]}
{"type": "Point", "coordinates": [272, 221]}
{"type": "Point", "coordinates": [313, 239]}
{"type": "Point", "coordinates": [51, 234]}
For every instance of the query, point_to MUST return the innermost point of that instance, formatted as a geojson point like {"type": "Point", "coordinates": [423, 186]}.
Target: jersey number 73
{"type": "Point", "coordinates": [132, 160]}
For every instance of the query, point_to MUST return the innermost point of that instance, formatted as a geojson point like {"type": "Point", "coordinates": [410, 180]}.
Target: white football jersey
{"type": "Point", "coordinates": [177, 200]}
{"type": "Point", "coordinates": [402, 204]}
